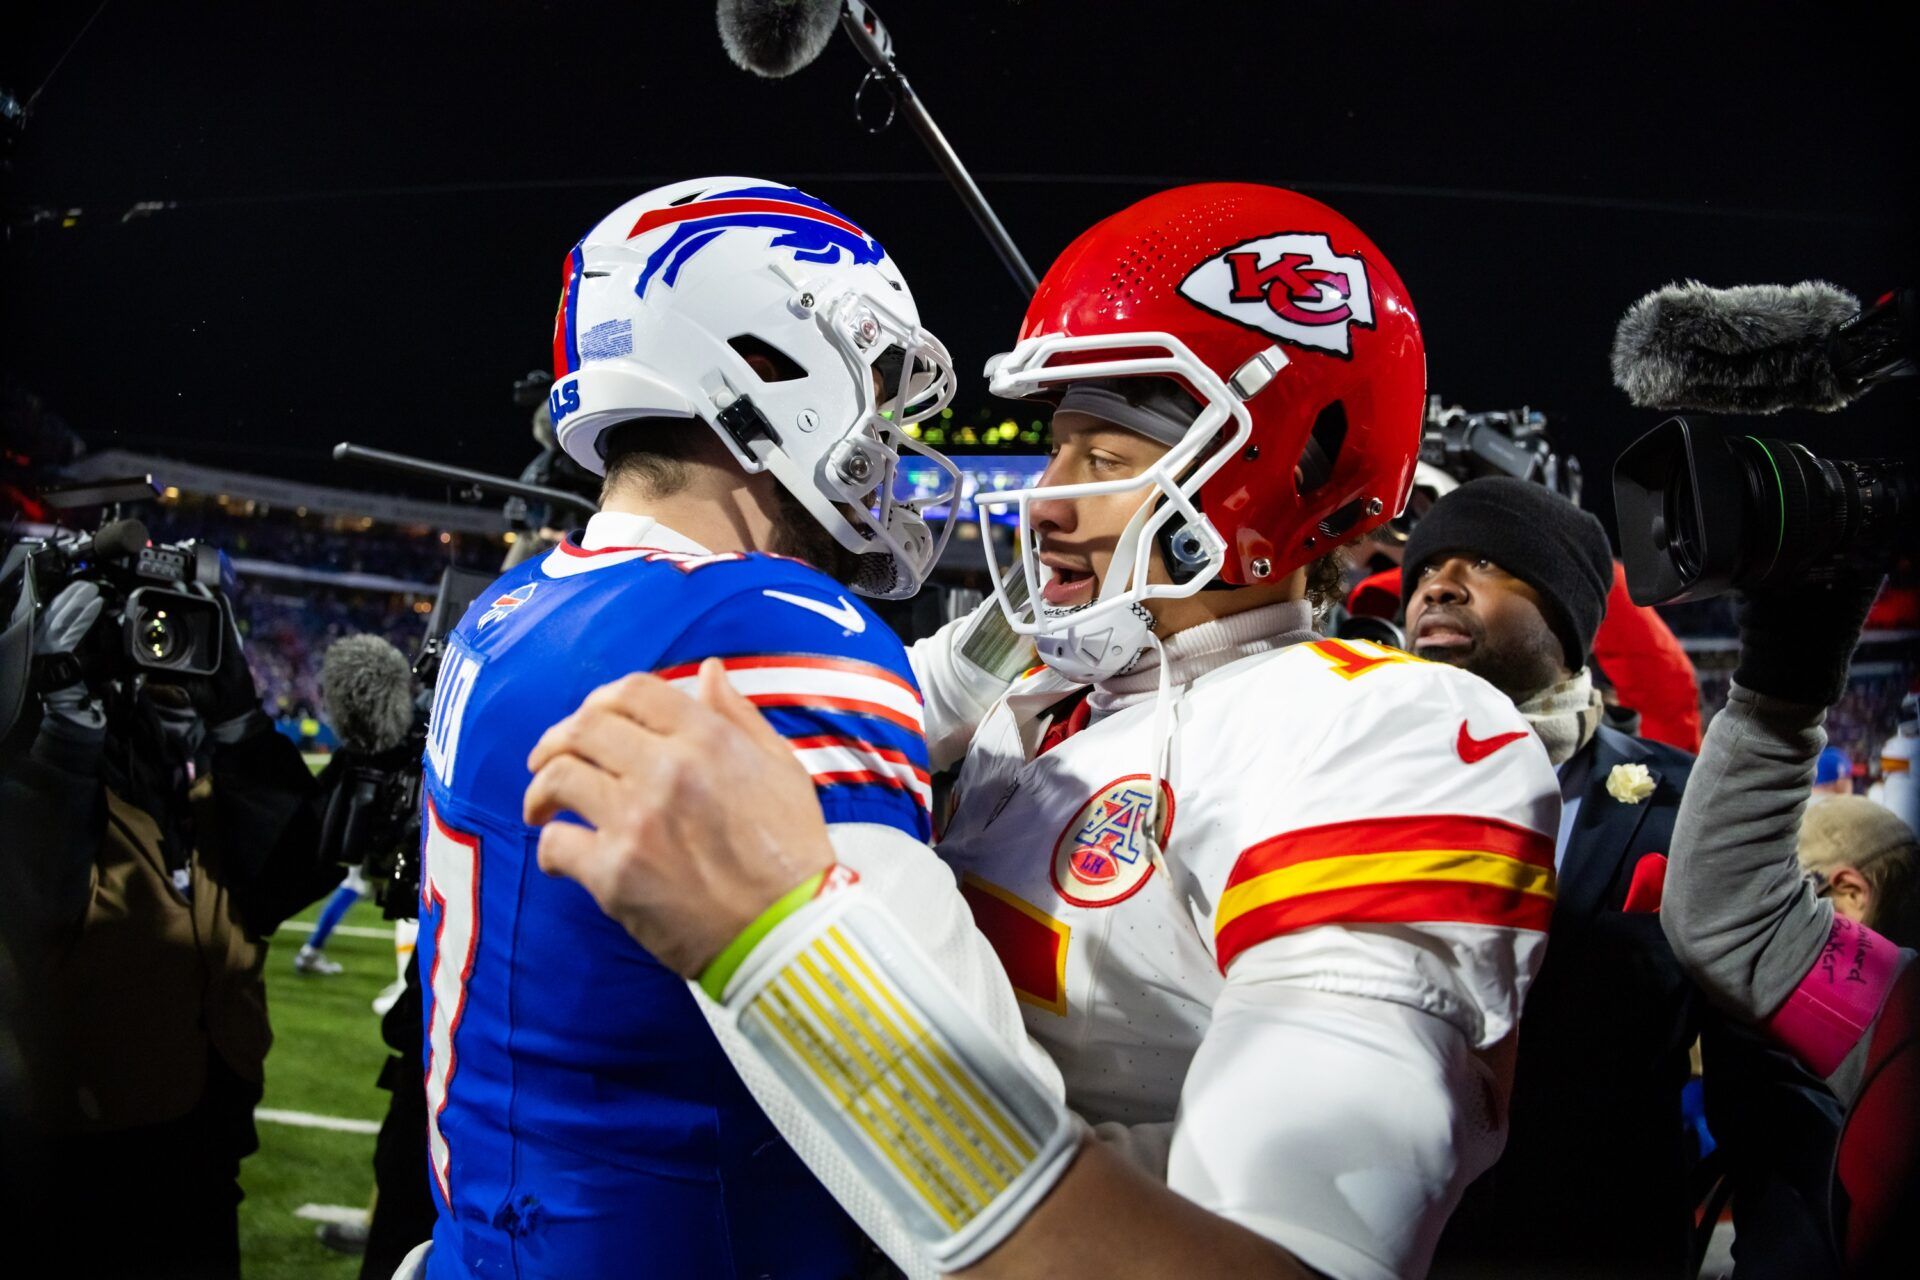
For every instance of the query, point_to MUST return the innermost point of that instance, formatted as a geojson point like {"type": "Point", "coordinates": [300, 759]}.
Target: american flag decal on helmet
{"type": "Point", "coordinates": [566, 317]}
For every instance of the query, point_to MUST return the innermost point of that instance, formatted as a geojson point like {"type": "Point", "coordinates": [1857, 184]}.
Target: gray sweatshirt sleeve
{"type": "Point", "coordinates": [1742, 919]}
{"type": "Point", "coordinates": [1739, 914]}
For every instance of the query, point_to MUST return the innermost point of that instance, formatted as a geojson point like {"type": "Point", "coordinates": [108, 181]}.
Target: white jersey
{"type": "Point", "coordinates": [1357, 881]}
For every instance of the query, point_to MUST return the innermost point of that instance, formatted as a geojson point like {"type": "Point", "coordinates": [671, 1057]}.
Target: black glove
{"type": "Point", "coordinates": [227, 699]}
{"type": "Point", "coordinates": [57, 634]}
{"type": "Point", "coordinates": [1796, 644]}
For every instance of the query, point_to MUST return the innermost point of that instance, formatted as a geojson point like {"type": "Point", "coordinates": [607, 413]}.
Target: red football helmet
{"type": "Point", "coordinates": [1300, 344]}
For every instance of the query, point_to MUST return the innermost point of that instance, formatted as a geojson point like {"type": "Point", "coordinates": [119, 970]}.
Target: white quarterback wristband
{"type": "Point", "coordinates": [940, 1119]}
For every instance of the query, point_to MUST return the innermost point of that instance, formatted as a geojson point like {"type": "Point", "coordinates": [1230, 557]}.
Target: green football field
{"type": "Point", "coordinates": [326, 1055]}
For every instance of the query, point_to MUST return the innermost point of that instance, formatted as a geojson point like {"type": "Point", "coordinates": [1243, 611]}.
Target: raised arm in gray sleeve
{"type": "Point", "coordinates": [1739, 914]}
{"type": "Point", "coordinates": [1746, 924]}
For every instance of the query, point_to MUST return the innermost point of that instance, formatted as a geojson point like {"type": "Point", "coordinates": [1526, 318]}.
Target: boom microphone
{"type": "Point", "coordinates": [775, 38]}
{"type": "Point", "coordinates": [1760, 348]}
{"type": "Point", "coordinates": [117, 539]}
{"type": "Point", "coordinates": [368, 688]}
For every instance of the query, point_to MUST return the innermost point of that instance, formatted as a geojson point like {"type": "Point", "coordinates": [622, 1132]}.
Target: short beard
{"type": "Point", "coordinates": [1518, 666]}
{"type": "Point", "coordinates": [798, 535]}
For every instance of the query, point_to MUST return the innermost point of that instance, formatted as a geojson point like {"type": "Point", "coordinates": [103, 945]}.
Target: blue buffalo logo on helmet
{"type": "Point", "coordinates": [812, 229]}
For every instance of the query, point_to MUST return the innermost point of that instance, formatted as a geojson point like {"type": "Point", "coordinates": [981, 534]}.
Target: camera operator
{"type": "Point", "coordinates": [1511, 581]}
{"type": "Point", "coordinates": [1763, 941]}
{"type": "Point", "coordinates": [158, 830]}
{"type": "Point", "coordinates": [1705, 510]}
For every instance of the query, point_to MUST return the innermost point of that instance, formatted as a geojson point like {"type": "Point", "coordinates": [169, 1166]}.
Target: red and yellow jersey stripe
{"type": "Point", "coordinates": [1425, 869]}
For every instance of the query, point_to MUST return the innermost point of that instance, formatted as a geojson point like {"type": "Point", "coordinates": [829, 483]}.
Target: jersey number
{"type": "Point", "coordinates": [1031, 944]}
{"type": "Point", "coordinates": [1352, 659]}
{"type": "Point", "coordinates": [449, 885]}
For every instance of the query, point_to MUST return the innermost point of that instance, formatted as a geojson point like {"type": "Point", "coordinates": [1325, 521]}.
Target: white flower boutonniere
{"type": "Point", "coordinates": [1629, 783]}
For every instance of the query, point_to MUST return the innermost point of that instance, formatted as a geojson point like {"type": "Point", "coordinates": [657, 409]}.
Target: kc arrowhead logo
{"type": "Point", "coordinates": [1292, 286]}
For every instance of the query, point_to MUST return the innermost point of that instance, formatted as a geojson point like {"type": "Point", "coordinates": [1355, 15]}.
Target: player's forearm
{"type": "Point", "coordinates": [1145, 1146]}
{"type": "Point", "coordinates": [857, 1032]}
{"type": "Point", "coordinates": [1075, 1231]}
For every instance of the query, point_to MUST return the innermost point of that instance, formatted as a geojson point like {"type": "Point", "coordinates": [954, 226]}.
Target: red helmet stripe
{"type": "Point", "coordinates": [653, 219]}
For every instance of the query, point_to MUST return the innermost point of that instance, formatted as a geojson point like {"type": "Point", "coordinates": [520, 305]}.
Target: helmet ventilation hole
{"type": "Point", "coordinates": [1322, 451]}
{"type": "Point", "coordinates": [768, 362]}
{"type": "Point", "coordinates": [1344, 519]}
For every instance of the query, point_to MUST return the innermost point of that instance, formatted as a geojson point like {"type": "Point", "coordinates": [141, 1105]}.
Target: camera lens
{"type": "Point", "coordinates": [1677, 533]}
{"type": "Point", "coordinates": [158, 636]}
{"type": "Point", "coordinates": [1807, 513]}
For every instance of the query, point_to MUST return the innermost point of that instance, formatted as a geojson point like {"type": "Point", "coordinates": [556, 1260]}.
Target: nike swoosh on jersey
{"type": "Point", "coordinates": [846, 615]}
{"type": "Point", "coordinates": [1473, 750]}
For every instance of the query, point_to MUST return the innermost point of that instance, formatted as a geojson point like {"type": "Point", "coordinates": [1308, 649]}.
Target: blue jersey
{"type": "Point", "coordinates": [583, 1121]}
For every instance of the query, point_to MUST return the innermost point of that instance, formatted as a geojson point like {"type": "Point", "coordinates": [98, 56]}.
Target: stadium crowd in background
{"type": "Point", "coordinates": [1699, 930]}
{"type": "Point", "coordinates": [1593, 1129]}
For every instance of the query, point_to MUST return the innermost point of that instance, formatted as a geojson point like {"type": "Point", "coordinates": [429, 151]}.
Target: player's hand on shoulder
{"type": "Point", "coordinates": [698, 815]}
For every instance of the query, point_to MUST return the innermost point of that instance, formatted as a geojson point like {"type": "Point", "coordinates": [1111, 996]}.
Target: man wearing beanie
{"type": "Point", "coordinates": [1509, 581]}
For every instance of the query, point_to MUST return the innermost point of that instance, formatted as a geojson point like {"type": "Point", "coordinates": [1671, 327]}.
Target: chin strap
{"type": "Point", "coordinates": [1160, 736]}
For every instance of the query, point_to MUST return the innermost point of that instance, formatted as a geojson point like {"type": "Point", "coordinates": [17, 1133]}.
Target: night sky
{"type": "Point", "coordinates": [370, 203]}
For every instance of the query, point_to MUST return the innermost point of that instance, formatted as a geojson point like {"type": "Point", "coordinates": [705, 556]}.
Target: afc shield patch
{"type": "Point", "coordinates": [1292, 286]}
{"type": "Point", "coordinates": [1101, 855]}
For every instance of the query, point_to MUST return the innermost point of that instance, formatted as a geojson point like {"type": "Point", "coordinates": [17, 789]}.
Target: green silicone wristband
{"type": "Point", "coordinates": [715, 977]}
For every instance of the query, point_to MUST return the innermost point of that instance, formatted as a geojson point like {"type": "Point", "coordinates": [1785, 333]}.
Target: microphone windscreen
{"type": "Point", "coordinates": [368, 688]}
{"type": "Point", "coordinates": [119, 538]}
{"type": "Point", "coordinates": [1748, 349]}
{"type": "Point", "coordinates": [775, 38]}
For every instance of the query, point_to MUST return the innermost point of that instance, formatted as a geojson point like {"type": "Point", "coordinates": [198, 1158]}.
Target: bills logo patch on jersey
{"type": "Point", "coordinates": [506, 604]}
{"type": "Point", "coordinates": [1101, 857]}
{"type": "Point", "coordinates": [1292, 286]}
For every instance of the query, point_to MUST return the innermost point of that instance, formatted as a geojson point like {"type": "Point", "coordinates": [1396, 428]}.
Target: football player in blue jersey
{"type": "Point", "coordinates": [739, 361]}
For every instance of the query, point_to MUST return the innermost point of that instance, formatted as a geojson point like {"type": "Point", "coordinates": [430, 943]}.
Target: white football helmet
{"type": "Point", "coordinates": [664, 301]}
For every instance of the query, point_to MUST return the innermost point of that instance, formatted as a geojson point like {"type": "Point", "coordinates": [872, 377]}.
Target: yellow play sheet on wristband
{"type": "Point", "coordinates": [920, 1109]}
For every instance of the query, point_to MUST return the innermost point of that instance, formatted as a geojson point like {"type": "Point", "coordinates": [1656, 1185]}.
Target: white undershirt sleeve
{"type": "Point", "coordinates": [962, 669]}
{"type": "Point", "coordinates": [1341, 1127]}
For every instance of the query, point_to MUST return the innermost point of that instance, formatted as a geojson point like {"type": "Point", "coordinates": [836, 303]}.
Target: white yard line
{"type": "Point", "coordinates": [307, 1120]}
{"type": "Point", "coordinates": [345, 1215]}
{"type": "Point", "coordinates": [344, 930]}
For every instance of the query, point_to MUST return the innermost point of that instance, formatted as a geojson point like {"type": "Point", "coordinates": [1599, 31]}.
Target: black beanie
{"type": "Point", "coordinates": [1534, 534]}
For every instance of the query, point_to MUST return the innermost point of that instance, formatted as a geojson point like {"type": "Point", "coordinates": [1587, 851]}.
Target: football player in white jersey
{"type": "Point", "coordinates": [1271, 902]}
